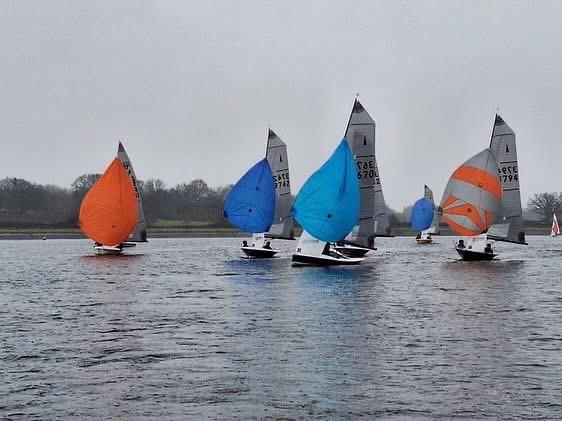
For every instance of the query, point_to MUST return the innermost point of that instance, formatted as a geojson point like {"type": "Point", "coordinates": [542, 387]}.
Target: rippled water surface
{"type": "Point", "coordinates": [184, 328]}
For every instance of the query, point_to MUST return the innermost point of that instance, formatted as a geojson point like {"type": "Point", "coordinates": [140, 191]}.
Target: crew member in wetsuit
{"type": "Point", "coordinates": [461, 244]}
{"type": "Point", "coordinates": [267, 245]}
{"type": "Point", "coordinates": [244, 243]}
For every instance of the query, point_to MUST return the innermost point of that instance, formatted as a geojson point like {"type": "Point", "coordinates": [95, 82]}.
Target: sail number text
{"type": "Point", "coordinates": [281, 180]}
{"type": "Point", "coordinates": [367, 169]}
{"type": "Point", "coordinates": [508, 173]}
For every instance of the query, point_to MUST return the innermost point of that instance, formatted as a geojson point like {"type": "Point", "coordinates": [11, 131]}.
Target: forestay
{"type": "Point", "coordinates": [373, 216]}
{"type": "Point", "coordinates": [282, 226]}
{"type": "Point", "coordinates": [250, 204]}
{"type": "Point", "coordinates": [472, 196]}
{"type": "Point", "coordinates": [139, 234]}
{"type": "Point", "coordinates": [508, 222]}
{"type": "Point", "coordinates": [327, 205]}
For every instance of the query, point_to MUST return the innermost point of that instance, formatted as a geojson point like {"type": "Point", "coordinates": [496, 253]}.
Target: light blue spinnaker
{"type": "Point", "coordinates": [250, 204]}
{"type": "Point", "coordinates": [422, 215]}
{"type": "Point", "coordinates": [327, 205]}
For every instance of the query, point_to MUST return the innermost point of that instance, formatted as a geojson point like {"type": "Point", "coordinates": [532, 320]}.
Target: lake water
{"type": "Point", "coordinates": [185, 329]}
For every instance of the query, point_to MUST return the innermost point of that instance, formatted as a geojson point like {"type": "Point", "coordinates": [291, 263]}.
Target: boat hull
{"type": "Point", "coordinates": [300, 259]}
{"type": "Point", "coordinates": [259, 252]}
{"type": "Point", "coordinates": [424, 240]}
{"type": "Point", "coordinates": [351, 251]}
{"type": "Point", "coordinates": [108, 250]}
{"type": "Point", "coordinates": [473, 256]}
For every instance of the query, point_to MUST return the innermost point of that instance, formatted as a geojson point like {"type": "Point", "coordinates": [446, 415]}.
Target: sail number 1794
{"type": "Point", "coordinates": [508, 173]}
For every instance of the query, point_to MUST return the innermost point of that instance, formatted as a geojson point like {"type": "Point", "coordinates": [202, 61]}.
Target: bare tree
{"type": "Point", "coordinates": [546, 204]}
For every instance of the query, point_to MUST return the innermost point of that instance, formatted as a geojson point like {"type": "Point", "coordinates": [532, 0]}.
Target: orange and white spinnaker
{"type": "Point", "coordinates": [473, 195]}
{"type": "Point", "coordinates": [108, 213]}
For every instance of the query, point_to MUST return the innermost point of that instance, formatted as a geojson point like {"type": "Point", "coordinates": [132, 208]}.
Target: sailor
{"type": "Point", "coordinates": [488, 248]}
{"type": "Point", "coordinates": [418, 236]}
{"type": "Point", "coordinates": [267, 245]}
{"type": "Point", "coordinates": [461, 244]}
{"type": "Point", "coordinates": [244, 243]}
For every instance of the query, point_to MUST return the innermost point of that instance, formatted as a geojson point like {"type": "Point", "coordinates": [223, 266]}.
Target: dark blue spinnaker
{"type": "Point", "coordinates": [422, 215]}
{"type": "Point", "coordinates": [250, 204]}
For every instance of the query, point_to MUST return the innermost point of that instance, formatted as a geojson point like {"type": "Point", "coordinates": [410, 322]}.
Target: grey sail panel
{"type": "Point", "coordinates": [282, 226]}
{"type": "Point", "coordinates": [373, 214]}
{"type": "Point", "coordinates": [139, 234]}
{"type": "Point", "coordinates": [508, 223]}
{"type": "Point", "coordinates": [434, 227]}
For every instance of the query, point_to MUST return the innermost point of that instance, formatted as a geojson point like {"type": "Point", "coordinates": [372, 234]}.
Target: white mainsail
{"type": "Point", "coordinates": [508, 223]}
{"type": "Point", "coordinates": [434, 228]}
{"type": "Point", "coordinates": [139, 234]}
{"type": "Point", "coordinates": [282, 226]}
{"type": "Point", "coordinates": [555, 230]}
{"type": "Point", "coordinates": [373, 215]}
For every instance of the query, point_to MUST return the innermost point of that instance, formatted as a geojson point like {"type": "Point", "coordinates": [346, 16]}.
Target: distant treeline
{"type": "Point", "coordinates": [23, 203]}
{"type": "Point", "coordinates": [26, 204]}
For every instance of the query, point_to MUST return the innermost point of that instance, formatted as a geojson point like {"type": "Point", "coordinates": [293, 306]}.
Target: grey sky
{"type": "Point", "coordinates": [190, 87]}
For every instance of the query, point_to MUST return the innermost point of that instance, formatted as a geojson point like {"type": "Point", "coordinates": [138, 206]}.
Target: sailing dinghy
{"type": "Point", "coordinates": [327, 208]}
{"type": "Point", "coordinates": [555, 230]}
{"type": "Point", "coordinates": [250, 206]}
{"type": "Point", "coordinates": [139, 234]}
{"type": "Point", "coordinates": [109, 211]}
{"type": "Point", "coordinates": [482, 200]}
{"type": "Point", "coordinates": [425, 218]}
{"type": "Point", "coordinates": [373, 215]}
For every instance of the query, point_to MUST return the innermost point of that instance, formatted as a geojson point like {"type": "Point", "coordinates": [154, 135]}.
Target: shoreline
{"type": "Point", "coordinates": [37, 233]}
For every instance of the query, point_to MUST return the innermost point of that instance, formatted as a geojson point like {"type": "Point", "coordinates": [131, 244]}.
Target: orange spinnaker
{"type": "Point", "coordinates": [108, 213]}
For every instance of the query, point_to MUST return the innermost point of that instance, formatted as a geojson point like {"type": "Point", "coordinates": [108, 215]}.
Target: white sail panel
{"type": "Point", "coordinates": [139, 234]}
{"type": "Point", "coordinates": [504, 149]}
{"type": "Point", "coordinates": [282, 226]}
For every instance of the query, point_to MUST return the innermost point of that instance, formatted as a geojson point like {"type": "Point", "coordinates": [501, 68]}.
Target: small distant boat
{"type": "Point", "coordinates": [555, 230]}
{"type": "Point", "coordinates": [425, 218]}
{"type": "Point", "coordinates": [373, 215]}
{"type": "Point", "coordinates": [108, 213]}
{"type": "Point", "coordinates": [482, 200]}
{"type": "Point", "coordinates": [327, 207]}
{"type": "Point", "coordinates": [250, 206]}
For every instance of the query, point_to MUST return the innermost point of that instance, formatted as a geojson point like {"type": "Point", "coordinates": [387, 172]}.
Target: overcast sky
{"type": "Point", "coordinates": [191, 86]}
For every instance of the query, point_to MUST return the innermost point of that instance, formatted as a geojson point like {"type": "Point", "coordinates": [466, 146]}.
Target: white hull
{"type": "Point", "coordinates": [259, 252]}
{"type": "Point", "coordinates": [476, 248]}
{"type": "Point", "coordinates": [108, 250]}
{"type": "Point", "coordinates": [313, 252]}
{"type": "Point", "coordinates": [351, 250]}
